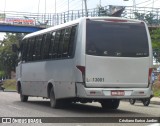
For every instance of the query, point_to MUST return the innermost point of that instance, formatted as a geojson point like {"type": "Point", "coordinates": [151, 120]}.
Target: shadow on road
{"type": "Point", "coordinates": [81, 109]}
{"type": "Point", "coordinates": [151, 103]}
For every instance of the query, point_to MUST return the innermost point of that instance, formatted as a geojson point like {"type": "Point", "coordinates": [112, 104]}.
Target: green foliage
{"type": "Point", "coordinates": [8, 59]}
{"type": "Point", "coordinates": [10, 84]}
{"type": "Point", "coordinates": [102, 11]}
{"type": "Point", "coordinates": [2, 74]}
{"type": "Point", "coordinates": [156, 88]}
{"type": "Point", "coordinates": [155, 36]}
{"type": "Point", "coordinates": [149, 18]}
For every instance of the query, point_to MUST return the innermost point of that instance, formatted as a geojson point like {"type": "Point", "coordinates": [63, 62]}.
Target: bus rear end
{"type": "Point", "coordinates": [118, 60]}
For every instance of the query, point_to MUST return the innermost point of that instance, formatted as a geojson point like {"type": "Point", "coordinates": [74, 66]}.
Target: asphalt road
{"type": "Point", "coordinates": [10, 106]}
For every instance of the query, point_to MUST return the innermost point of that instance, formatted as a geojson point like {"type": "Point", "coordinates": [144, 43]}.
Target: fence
{"type": "Point", "coordinates": [49, 19]}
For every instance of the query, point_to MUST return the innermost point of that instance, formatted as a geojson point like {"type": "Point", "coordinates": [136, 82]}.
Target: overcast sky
{"type": "Point", "coordinates": [61, 5]}
{"type": "Point", "coordinates": [48, 6]}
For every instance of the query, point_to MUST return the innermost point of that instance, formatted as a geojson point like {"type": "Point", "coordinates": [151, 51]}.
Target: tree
{"type": "Point", "coordinates": [139, 16]}
{"type": "Point", "coordinates": [149, 18]}
{"type": "Point", "coordinates": [155, 36]}
{"type": "Point", "coordinates": [102, 11]}
{"type": "Point", "coordinates": [9, 59]}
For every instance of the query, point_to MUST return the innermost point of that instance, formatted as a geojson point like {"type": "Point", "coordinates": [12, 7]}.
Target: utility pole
{"type": "Point", "coordinates": [45, 11]}
{"type": "Point", "coordinates": [82, 8]}
{"type": "Point", "coordinates": [68, 10]}
{"type": "Point", "coordinates": [4, 6]}
{"type": "Point", "coordinates": [55, 19]}
{"type": "Point", "coordinates": [152, 5]}
{"type": "Point", "coordinates": [86, 12]}
{"type": "Point", "coordinates": [55, 7]}
{"type": "Point", "coordinates": [100, 2]}
{"type": "Point", "coordinates": [134, 5]}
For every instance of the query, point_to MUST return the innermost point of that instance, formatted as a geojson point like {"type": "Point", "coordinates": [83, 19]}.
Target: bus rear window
{"type": "Point", "coordinates": [116, 39]}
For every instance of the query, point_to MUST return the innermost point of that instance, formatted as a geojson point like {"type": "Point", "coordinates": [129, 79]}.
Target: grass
{"type": "Point", "coordinates": [9, 84]}
{"type": "Point", "coordinates": [156, 89]}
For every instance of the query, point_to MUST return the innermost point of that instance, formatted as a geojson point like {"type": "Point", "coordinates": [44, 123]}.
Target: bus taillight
{"type": "Point", "coordinates": [149, 75]}
{"type": "Point", "coordinates": [82, 69]}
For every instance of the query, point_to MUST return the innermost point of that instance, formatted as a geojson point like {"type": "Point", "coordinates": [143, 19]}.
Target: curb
{"type": "Point", "coordinates": [9, 91]}
{"type": "Point", "coordinates": [155, 102]}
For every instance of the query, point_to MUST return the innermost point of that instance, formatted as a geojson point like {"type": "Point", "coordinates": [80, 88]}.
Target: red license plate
{"type": "Point", "coordinates": [117, 93]}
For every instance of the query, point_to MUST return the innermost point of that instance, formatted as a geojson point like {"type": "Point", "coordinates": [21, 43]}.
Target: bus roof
{"type": "Point", "coordinates": [75, 22]}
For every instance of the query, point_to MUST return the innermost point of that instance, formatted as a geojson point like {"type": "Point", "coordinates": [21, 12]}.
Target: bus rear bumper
{"type": "Point", "coordinates": [112, 93]}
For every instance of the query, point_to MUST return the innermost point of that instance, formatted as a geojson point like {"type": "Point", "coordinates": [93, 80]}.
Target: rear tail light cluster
{"type": "Point", "coordinates": [149, 75]}
{"type": "Point", "coordinates": [82, 69]}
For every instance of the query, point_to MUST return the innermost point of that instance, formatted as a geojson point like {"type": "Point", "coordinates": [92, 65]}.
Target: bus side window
{"type": "Point", "coordinates": [43, 46]}
{"type": "Point", "coordinates": [24, 51]}
{"type": "Point", "coordinates": [71, 42]}
{"type": "Point", "coordinates": [66, 42]}
{"type": "Point", "coordinates": [60, 45]}
{"type": "Point", "coordinates": [47, 46]}
{"type": "Point", "coordinates": [21, 47]}
{"type": "Point", "coordinates": [56, 44]}
{"type": "Point", "coordinates": [34, 49]}
{"type": "Point", "coordinates": [32, 53]}
{"type": "Point", "coordinates": [38, 47]}
{"type": "Point", "coordinates": [30, 49]}
{"type": "Point", "coordinates": [51, 45]}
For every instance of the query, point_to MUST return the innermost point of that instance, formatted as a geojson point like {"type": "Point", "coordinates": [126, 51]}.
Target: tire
{"type": "Point", "coordinates": [54, 103]}
{"type": "Point", "coordinates": [24, 98]}
{"type": "Point", "coordinates": [146, 101]}
{"type": "Point", "coordinates": [110, 104]}
{"type": "Point", "coordinates": [132, 101]}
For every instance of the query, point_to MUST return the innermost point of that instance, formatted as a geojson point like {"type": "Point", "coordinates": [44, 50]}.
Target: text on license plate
{"type": "Point", "coordinates": [117, 93]}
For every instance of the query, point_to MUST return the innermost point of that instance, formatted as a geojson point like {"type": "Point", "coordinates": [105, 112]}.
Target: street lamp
{"type": "Point", "coordinates": [86, 12]}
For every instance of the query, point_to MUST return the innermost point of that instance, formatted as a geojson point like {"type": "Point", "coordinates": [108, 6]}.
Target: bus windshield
{"type": "Point", "coordinates": [122, 39]}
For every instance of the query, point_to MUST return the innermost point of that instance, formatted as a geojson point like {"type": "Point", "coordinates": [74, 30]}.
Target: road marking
{"type": "Point", "coordinates": [14, 107]}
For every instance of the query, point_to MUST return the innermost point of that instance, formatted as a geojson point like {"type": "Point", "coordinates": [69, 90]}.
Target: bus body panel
{"type": "Point", "coordinates": [36, 75]}
{"type": "Point", "coordinates": [129, 74]}
{"type": "Point", "coordinates": [116, 72]}
{"type": "Point", "coordinates": [118, 54]}
{"type": "Point", "coordinates": [105, 93]}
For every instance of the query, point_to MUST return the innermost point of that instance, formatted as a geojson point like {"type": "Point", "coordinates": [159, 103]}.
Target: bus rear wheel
{"type": "Point", "coordinates": [24, 98]}
{"type": "Point", "coordinates": [53, 101]}
{"type": "Point", "coordinates": [110, 103]}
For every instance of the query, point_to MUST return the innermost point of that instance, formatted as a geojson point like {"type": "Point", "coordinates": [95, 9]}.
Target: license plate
{"type": "Point", "coordinates": [117, 93]}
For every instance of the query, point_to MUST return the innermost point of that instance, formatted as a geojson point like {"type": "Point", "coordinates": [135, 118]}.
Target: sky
{"type": "Point", "coordinates": [48, 6]}
{"type": "Point", "coordinates": [36, 6]}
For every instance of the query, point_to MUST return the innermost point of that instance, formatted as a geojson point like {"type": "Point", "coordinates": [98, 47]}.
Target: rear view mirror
{"type": "Point", "coordinates": [14, 48]}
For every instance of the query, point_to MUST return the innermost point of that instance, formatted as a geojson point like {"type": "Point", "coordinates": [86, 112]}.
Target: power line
{"type": "Point", "coordinates": [143, 2]}
{"type": "Point", "coordinates": [71, 4]}
{"type": "Point", "coordinates": [62, 4]}
{"type": "Point", "coordinates": [4, 6]}
{"type": "Point", "coordinates": [151, 3]}
{"type": "Point", "coordinates": [76, 4]}
{"type": "Point", "coordinates": [38, 5]}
